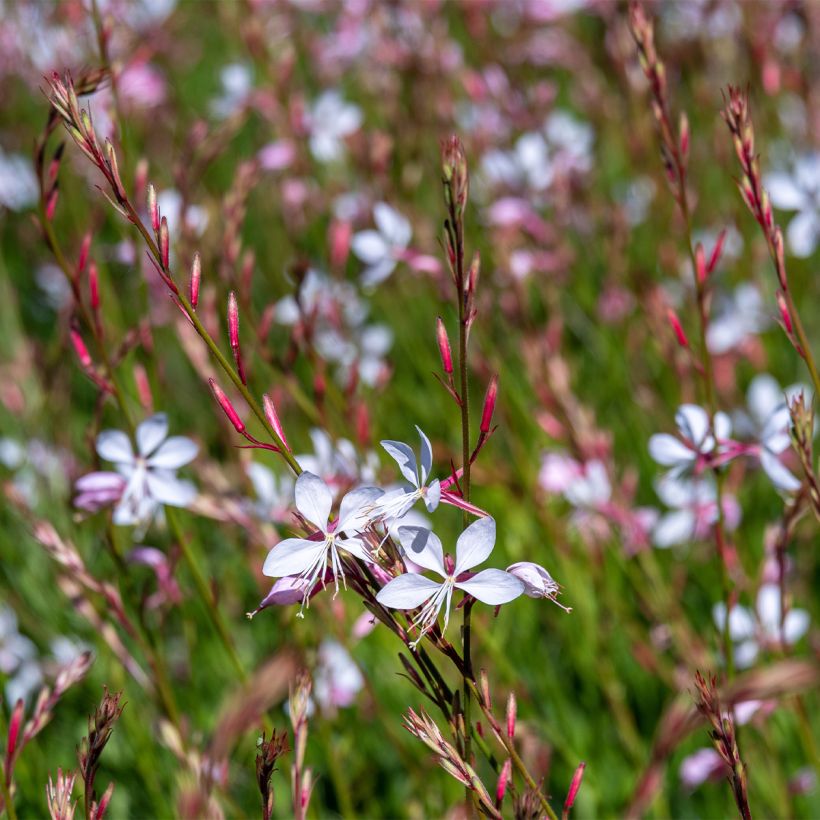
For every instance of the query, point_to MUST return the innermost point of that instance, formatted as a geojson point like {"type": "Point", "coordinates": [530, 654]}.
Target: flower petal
{"type": "Point", "coordinates": [423, 547]}
{"type": "Point", "coordinates": [778, 474]}
{"type": "Point", "coordinates": [407, 591]}
{"type": "Point", "coordinates": [173, 453]}
{"type": "Point", "coordinates": [168, 489]}
{"type": "Point", "coordinates": [369, 246]}
{"type": "Point", "coordinates": [796, 625]}
{"type": "Point", "coordinates": [674, 528]}
{"type": "Point", "coordinates": [475, 544]}
{"type": "Point", "coordinates": [493, 586]}
{"type": "Point", "coordinates": [313, 500]}
{"type": "Point", "coordinates": [802, 233]}
{"type": "Point", "coordinates": [693, 423]}
{"type": "Point", "coordinates": [292, 556]}
{"type": "Point", "coordinates": [668, 451]}
{"type": "Point", "coordinates": [376, 274]}
{"type": "Point", "coordinates": [356, 508]}
{"type": "Point", "coordinates": [115, 446]}
{"type": "Point", "coordinates": [784, 192]}
{"type": "Point", "coordinates": [151, 432]}
{"type": "Point", "coordinates": [426, 455]}
{"type": "Point", "coordinates": [392, 225]}
{"type": "Point", "coordinates": [432, 495]}
{"type": "Point", "coordinates": [96, 482]}
{"type": "Point", "coordinates": [405, 457]}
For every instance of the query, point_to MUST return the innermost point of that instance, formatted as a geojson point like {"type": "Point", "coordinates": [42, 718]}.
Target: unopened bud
{"type": "Point", "coordinates": [472, 275]}
{"type": "Point", "coordinates": [573, 788]}
{"type": "Point", "coordinates": [51, 203]}
{"type": "Point", "coordinates": [153, 208]}
{"type": "Point", "coordinates": [196, 276]}
{"type": "Point", "coordinates": [489, 405]}
{"type": "Point", "coordinates": [94, 286]}
{"type": "Point", "coordinates": [164, 243]}
{"type": "Point", "coordinates": [15, 723]}
{"type": "Point", "coordinates": [233, 335]}
{"type": "Point", "coordinates": [512, 711]}
{"type": "Point", "coordinates": [444, 347]}
{"type": "Point", "coordinates": [683, 136]}
{"type": "Point", "coordinates": [454, 169]}
{"type": "Point", "coordinates": [780, 258]}
{"type": "Point", "coordinates": [80, 349]}
{"type": "Point", "coordinates": [785, 314]}
{"type": "Point", "coordinates": [273, 419]}
{"type": "Point", "coordinates": [84, 249]}
{"type": "Point", "coordinates": [227, 408]}
{"type": "Point", "coordinates": [700, 263]}
{"type": "Point", "coordinates": [503, 782]}
{"type": "Point", "coordinates": [674, 321]}
{"type": "Point", "coordinates": [716, 252]}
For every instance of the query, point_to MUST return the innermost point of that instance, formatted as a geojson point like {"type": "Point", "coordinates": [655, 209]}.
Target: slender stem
{"type": "Point", "coordinates": [8, 804]}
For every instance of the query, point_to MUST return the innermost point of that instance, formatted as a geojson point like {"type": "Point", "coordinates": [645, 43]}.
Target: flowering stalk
{"type": "Point", "coordinates": [100, 727]}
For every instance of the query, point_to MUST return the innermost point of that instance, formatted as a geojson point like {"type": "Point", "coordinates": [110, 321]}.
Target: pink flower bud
{"type": "Point", "coordinates": [779, 258]}
{"type": "Point", "coordinates": [227, 407]}
{"type": "Point", "coordinates": [716, 252]}
{"type": "Point", "coordinates": [512, 711]}
{"type": "Point", "coordinates": [196, 276]}
{"type": "Point", "coordinates": [273, 419]}
{"type": "Point", "coordinates": [51, 204]}
{"type": "Point", "coordinates": [444, 347]}
{"type": "Point", "coordinates": [674, 321]}
{"type": "Point", "coordinates": [683, 136]}
{"type": "Point", "coordinates": [785, 315]}
{"type": "Point", "coordinates": [94, 286]}
{"type": "Point", "coordinates": [700, 263]}
{"type": "Point", "coordinates": [84, 249]}
{"type": "Point", "coordinates": [153, 208]}
{"type": "Point", "coordinates": [340, 233]}
{"type": "Point", "coordinates": [489, 405]}
{"type": "Point", "coordinates": [503, 781]}
{"type": "Point", "coordinates": [164, 243]}
{"type": "Point", "coordinates": [573, 788]}
{"type": "Point", "coordinates": [80, 349]}
{"type": "Point", "coordinates": [233, 335]}
{"type": "Point", "coordinates": [15, 722]}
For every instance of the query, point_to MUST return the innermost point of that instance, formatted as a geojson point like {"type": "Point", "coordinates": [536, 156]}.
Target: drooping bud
{"type": "Point", "coordinates": [444, 347]}
{"type": "Point", "coordinates": [196, 276]}
{"type": "Point", "coordinates": [574, 785]}
{"type": "Point", "coordinates": [227, 408]}
{"type": "Point", "coordinates": [512, 711]}
{"type": "Point", "coordinates": [674, 321]}
{"type": "Point", "coordinates": [164, 243]}
{"type": "Point", "coordinates": [153, 208]}
{"type": "Point", "coordinates": [489, 405]}
{"type": "Point", "coordinates": [273, 419]}
{"type": "Point", "coordinates": [233, 335]}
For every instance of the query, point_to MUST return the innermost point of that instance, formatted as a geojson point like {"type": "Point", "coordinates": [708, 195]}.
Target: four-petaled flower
{"type": "Point", "coordinates": [382, 249]}
{"type": "Point", "coordinates": [690, 452]}
{"type": "Point", "coordinates": [308, 557]}
{"type": "Point", "coordinates": [396, 503]}
{"type": "Point", "coordinates": [144, 480]}
{"type": "Point", "coordinates": [423, 547]}
{"type": "Point", "coordinates": [330, 120]}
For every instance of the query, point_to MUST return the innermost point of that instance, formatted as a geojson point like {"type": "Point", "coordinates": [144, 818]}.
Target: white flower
{"type": "Point", "coordinates": [799, 191]}
{"type": "Point", "coordinates": [396, 503]}
{"type": "Point", "coordinates": [337, 679]}
{"type": "Point", "coordinates": [170, 206]}
{"type": "Point", "coordinates": [18, 182]}
{"type": "Point", "coordinates": [308, 558]}
{"type": "Point", "coordinates": [423, 547]}
{"type": "Point", "coordinates": [337, 464]}
{"type": "Point", "coordinates": [381, 249]}
{"type": "Point", "coordinates": [331, 119]}
{"type": "Point", "coordinates": [273, 494]}
{"type": "Point", "coordinates": [736, 318]}
{"type": "Point", "coordinates": [749, 633]}
{"type": "Point", "coordinates": [591, 488]}
{"type": "Point", "coordinates": [237, 83]}
{"type": "Point", "coordinates": [770, 422]}
{"type": "Point", "coordinates": [686, 453]}
{"type": "Point", "coordinates": [18, 659]}
{"type": "Point", "coordinates": [150, 473]}
{"type": "Point", "coordinates": [527, 165]}
{"type": "Point", "coordinates": [538, 583]}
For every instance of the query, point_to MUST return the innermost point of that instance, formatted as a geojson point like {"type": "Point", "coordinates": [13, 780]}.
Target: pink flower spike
{"type": "Point", "coordinates": [80, 349]}
{"type": "Point", "coordinates": [15, 722]}
{"type": "Point", "coordinates": [512, 712]}
{"type": "Point", "coordinates": [94, 285]}
{"type": "Point", "coordinates": [273, 419]}
{"type": "Point", "coordinates": [784, 313]}
{"type": "Point", "coordinates": [153, 208]}
{"type": "Point", "coordinates": [573, 788]}
{"type": "Point", "coordinates": [503, 781]}
{"type": "Point", "coordinates": [227, 407]}
{"type": "Point", "coordinates": [196, 276]}
{"type": "Point", "coordinates": [489, 405]}
{"type": "Point", "coordinates": [164, 243]}
{"type": "Point", "coordinates": [444, 347]}
{"type": "Point", "coordinates": [677, 327]}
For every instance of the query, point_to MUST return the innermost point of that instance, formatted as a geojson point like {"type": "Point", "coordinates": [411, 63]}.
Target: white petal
{"type": "Point", "coordinates": [768, 609]}
{"type": "Point", "coordinates": [292, 556]}
{"type": "Point", "coordinates": [264, 482]}
{"type": "Point", "coordinates": [369, 246]}
{"type": "Point", "coordinates": [741, 623]}
{"type": "Point", "coordinates": [778, 422]}
{"type": "Point", "coordinates": [356, 548]}
{"type": "Point", "coordinates": [151, 432]}
{"type": "Point", "coordinates": [115, 446]}
{"type": "Point", "coordinates": [376, 274]}
{"type": "Point", "coordinates": [693, 422]}
{"type": "Point", "coordinates": [493, 586]}
{"type": "Point", "coordinates": [407, 591]}
{"type": "Point", "coordinates": [313, 500]}
{"type": "Point", "coordinates": [796, 625]}
{"type": "Point", "coordinates": [426, 455]}
{"type": "Point", "coordinates": [763, 397]}
{"type": "Point", "coordinates": [173, 453]}
{"type": "Point", "coordinates": [92, 482]}
{"type": "Point", "coordinates": [746, 654]}
{"type": "Point", "coordinates": [475, 544]}
{"type": "Point", "coordinates": [783, 191]}
{"type": "Point", "coordinates": [354, 509]}
{"type": "Point", "coordinates": [433, 495]}
{"type": "Point", "coordinates": [392, 225]}
{"type": "Point", "coordinates": [674, 528]}
{"type": "Point", "coordinates": [423, 547]}
{"type": "Point", "coordinates": [405, 457]}
{"type": "Point", "coordinates": [723, 425]}
{"type": "Point", "coordinates": [802, 233]}
{"type": "Point", "coordinates": [778, 474]}
{"type": "Point", "coordinates": [668, 451]}
{"type": "Point", "coordinates": [168, 489]}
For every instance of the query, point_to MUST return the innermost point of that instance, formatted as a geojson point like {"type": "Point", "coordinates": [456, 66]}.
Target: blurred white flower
{"type": "Point", "coordinates": [381, 249]}
{"type": "Point", "coordinates": [237, 84]}
{"type": "Point", "coordinates": [18, 182]}
{"type": "Point", "coordinates": [337, 679]}
{"type": "Point", "coordinates": [274, 494]}
{"type": "Point", "coordinates": [799, 191]}
{"type": "Point", "coordinates": [18, 659]}
{"type": "Point", "coordinates": [736, 317]}
{"type": "Point", "coordinates": [330, 120]}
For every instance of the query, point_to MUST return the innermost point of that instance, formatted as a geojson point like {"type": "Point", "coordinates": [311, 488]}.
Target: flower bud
{"type": "Point", "coordinates": [503, 781]}
{"type": "Point", "coordinates": [785, 315]}
{"type": "Point", "coordinates": [94, 286]}
{"type": "Point", "coordinates": [573, 788]}
{"type": "Point", "coordinates": [153, 208]}
{"type": "Point", "coordinates": [196, 276]}
{"type": "Point", "coordinates": [700, 263]}
{"type": "Point", "coordinates": [444, 347]}
{"type": "Point", "coordinates": [164, 243]}
{"type": "Point", "coordinates": [227, 407]}
{"type": "Point", "coordinates": [512, 711]}
{"type": "Point", "coordinates": [674, 321]}
{"type": "Point", "coordinates": [273, 419]}
{"type": "Point", "coordinates": [80, 349]}
{"type": "Point", "coordinates": [489, 405]}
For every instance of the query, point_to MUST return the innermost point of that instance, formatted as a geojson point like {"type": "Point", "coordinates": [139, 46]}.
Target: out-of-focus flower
{"type": "Point", "coordinates": [170, 206]}
{"type": "Point", "coordinates": [237, 83]}
{"type": "Point", "coordinates": [736, 318]}
{"type": "Point", "coordinates": [799, 191]}
{"type": "Point", "coordinates": [700, 766]}
{"type": "Point", "coordinates": [18, 182]}
{"type": "Point", "coordinates": [330, 120]}
{"type": "Point", "coordinates": [273, 494]}
{"type": "Point", "coordinates": [337, 679]}
{"type": "Point", "coordinates": [694, 511]}
{"type": "Point", "coordinates": [473, 547]}
{"type": "Point", "coordinates": [307, 557]}
{"type": "Point", "coordinates": [381, 249]}
{"type": "Point", "coordinates": [144, 480]}
{"type": "Point", "coordinates": [167, 588]}
{"type": "Point", "coordinates": [141, 85]}
{"type": "Point", "coordinates": [695, 444]}
{"type": "Point", "coordinates": [337, 463]}
{"type": "Point", "coordinates": [751, 630]}
{"type": "Point", "coordinates": [18, 659]}
{"type": "Point", "coordinates": [396, 503]}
